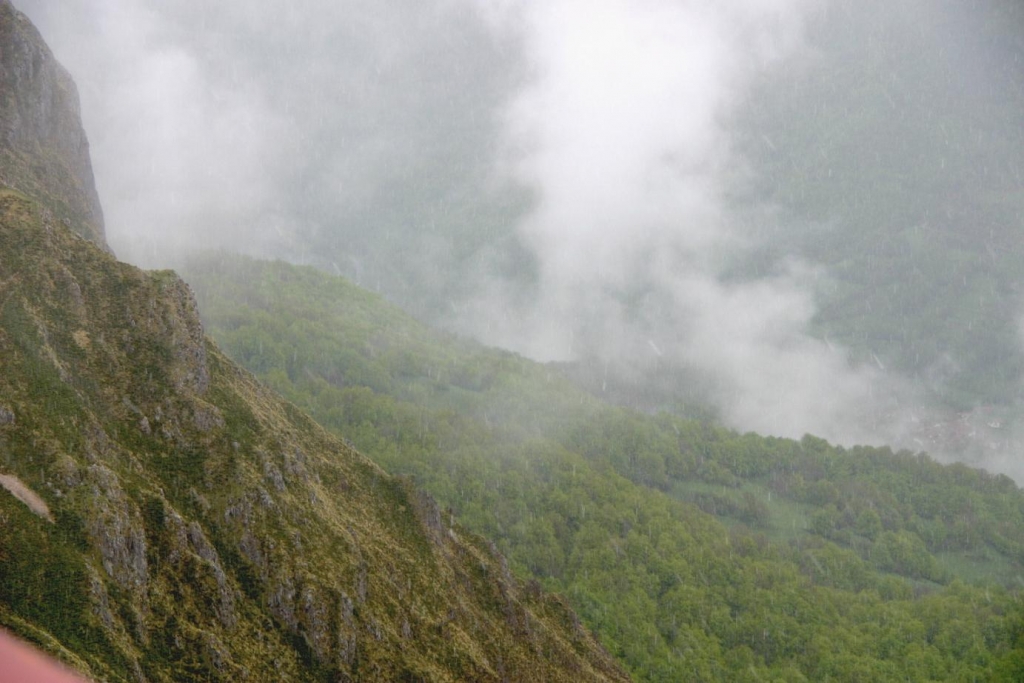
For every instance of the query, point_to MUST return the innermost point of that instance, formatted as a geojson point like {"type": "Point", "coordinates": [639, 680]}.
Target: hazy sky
{"type": "Point", "coordinates": [584, 148]}
{"type": "Point", "coordinates": [623, 133]}
{"type": "Point", "coordinates": [244, 124]}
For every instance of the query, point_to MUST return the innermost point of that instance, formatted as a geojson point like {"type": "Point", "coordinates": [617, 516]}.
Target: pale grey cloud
{"type": "Point", "coordinates": [346, 135]}
{"type": "Point", "coordinates": [561, 175]}
{"type": "Point", "coordinates": [623, 132]}
{"type": "Point", "coordinates": [277, 129]}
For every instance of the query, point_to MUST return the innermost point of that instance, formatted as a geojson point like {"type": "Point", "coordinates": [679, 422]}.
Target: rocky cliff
{"type": "Point", "coordinates": [43, 148]}
{"type": "Point", "coordinates": [165, 517]}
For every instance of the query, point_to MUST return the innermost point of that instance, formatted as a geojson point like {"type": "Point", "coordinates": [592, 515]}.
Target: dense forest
{"type": "Point", "coordinates": [693, 552]}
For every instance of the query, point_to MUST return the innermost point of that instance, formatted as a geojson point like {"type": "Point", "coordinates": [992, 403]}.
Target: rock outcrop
{"type": "Point", "coordinates": [197, 526]}
{"type": "Point", "coordinates": [43, 148]}
{"type": "Point", "coordinates": [202, 528]}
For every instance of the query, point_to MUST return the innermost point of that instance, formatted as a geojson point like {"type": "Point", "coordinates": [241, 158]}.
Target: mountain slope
{"type": "Point", "coordinates": [165, 517]}
{"type": "Point", "coordinates": [693, 552]}
{"type": "Point", "coordinates": [198, 525]}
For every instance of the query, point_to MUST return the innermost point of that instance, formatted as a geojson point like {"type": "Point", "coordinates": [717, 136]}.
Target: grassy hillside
{"type": "Point", "coordinates": [165, 517]}
{"type": "Point", "coordinates": [694, 553]}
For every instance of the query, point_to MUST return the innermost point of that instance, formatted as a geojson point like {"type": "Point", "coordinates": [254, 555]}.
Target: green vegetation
{"type": "Point", "coordinates": [204, 529]}
{"type": "Point", "coordinates": [693, 552]}
{"type": "Point", "coordinates": [200, 528]}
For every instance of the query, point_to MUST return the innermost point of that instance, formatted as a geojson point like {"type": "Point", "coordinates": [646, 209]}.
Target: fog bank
{"type": "Point", "coordinates": [595, 181]}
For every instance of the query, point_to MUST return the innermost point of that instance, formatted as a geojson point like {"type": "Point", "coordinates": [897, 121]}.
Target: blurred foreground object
{"type": "Point", "coordinates": [21, 663]}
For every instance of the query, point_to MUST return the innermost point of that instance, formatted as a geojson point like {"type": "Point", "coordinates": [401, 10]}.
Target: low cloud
{"type": "Point", "coordinates": [623, 134]}
{"type": "Point", "coordinates": [305, 133]}
{"type": "Point", "coordinates": [563, 176]}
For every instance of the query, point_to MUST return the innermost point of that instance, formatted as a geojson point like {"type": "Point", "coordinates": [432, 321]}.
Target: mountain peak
{"type": "Point", "coordinates": [44, 152]}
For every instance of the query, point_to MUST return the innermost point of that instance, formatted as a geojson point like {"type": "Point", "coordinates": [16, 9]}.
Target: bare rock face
{"type": "Point", "coordinates": [43, 149]}
{"type": "Point", "coordinates": [115, 528]}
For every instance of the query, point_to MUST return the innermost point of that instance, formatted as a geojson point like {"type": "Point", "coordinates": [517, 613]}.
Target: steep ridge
{"type": "Point", "coordinates": [43, 148]}
{"type": "Point", "coordinates": [178, 520]}
{"type": "Point", "coordinates": [165, 517]}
